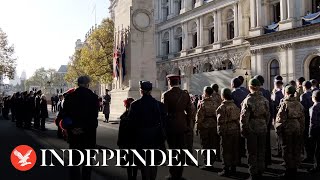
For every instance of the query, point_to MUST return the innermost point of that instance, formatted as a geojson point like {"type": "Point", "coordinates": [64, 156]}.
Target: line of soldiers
{"type": "Point", "coordinates": [289, 107]}
{"type": "Point", "coordinates": [26, 106]}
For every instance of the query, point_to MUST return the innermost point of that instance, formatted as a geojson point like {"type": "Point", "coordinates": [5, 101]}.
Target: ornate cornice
{"type": "Point", "coordinates": [285, 35]}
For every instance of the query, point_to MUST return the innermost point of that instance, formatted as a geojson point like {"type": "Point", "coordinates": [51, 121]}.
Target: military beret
{"type": "Point", "coordinates": [226, 92]}
{"type": "Point", "coordinates": [316, 94]}
{"type": "Point", "coordinates": [260, 78]}
{"type": "Point", "coordinates": [236, 82]}
{"type": "Point", "coordinates": [145, 85]}
{"type": "Point", "coordinates": [307, 84]}
{"type": "Point", "coordinates": [254, 82]}
{"type": "Point", "coordinates": [208, 90]}
{"type": "Point", "coordinates": [278, 82]}
{"type": "Point", "coordinates": [83, 80]}
{"type": "Point", "coordinates": [279, 78]}
{"type": "Point", "coordinates": [173, 76]}
{"type": "Point", "coordinates": [290, 89]}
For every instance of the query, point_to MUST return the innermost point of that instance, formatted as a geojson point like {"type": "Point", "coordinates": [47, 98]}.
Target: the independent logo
{"type": "Point", "coordinates": [23, 157]}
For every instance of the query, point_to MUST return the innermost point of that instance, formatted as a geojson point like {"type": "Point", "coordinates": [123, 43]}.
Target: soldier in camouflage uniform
{"type": "Point", "coordinates": [299, 90]}
{"type": "Point", "coordinates": [254, 119]}
{"type": "Point", "coordinates": [206, 122]}
{"type": "Point", "coordinates": [215, 94]}
{"type": "Point", "coordinates": [229, 130]}
{"type": "Point", "coordinates": [290, 126]}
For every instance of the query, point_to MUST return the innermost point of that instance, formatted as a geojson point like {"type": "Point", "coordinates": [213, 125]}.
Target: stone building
{"type": "Point", "coordinates": [211, 41]}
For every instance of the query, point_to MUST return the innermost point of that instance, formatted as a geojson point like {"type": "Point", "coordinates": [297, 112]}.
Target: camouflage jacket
{"type": "Point", "coordinates": [217, 98]}
{"type": "Point", "coordinates": [206, 116]}
{"type": "Point", "coordinates": [255, 114]}
{"type": "Point", "coordinates": [228, 116]}
{"type": "Point", "coordinates": [299, 92]}
{"type": "Point", "coordinates": [290, 117]}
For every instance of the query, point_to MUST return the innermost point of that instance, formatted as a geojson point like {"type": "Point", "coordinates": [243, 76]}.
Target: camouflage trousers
{"type": "Point", "coordinates": [210, 140]}
{"type": "Point", "coordinates": [230, 149]}
{"type": "Point", "coordinates": [256, 146]}
{"type": "Point", "coordinates": [291, 145]}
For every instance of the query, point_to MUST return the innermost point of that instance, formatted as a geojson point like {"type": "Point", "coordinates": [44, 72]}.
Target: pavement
{"type": "Point", "coordinates": [106, 138]}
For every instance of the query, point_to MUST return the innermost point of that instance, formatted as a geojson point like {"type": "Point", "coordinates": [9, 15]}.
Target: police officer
{"type": "Point", "coordinates": [229, 130]}
{"type": "Point", "coordinates": [178, 106]}
{"type": "Point", "coordinates": [106, 106]}
{"type": "Point", "coordinates": [306, 101]}
{"type": "Point", "coordinates": [299, 90]}
{"type": "Point", "coordinates": [81, 107]}
{"type": "Point", "coordinates": [145, 115]}
{"type": "Point", "coordinates": [206, 123]}
{"type": "Point", "coordinates": [267, 95]}
{"type": "Point", "coordinates": [290, 126]}
{"type": "Point", "coordinates": [314, 131]}
{"type": "Point", "coordinates": [254, 120]}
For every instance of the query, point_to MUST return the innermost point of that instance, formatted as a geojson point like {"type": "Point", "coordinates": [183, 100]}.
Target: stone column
{"type": "Point", "coordinates": [291, 61]}
{"type": "Point", "coordinates": [219, 26]}
{"type": "Point", "coordinates": [236, 22]}
{"type": "Point", "coordinates": [253, 13]}
{"type": "Point", "coordinates": [254, 65]}
{"type": "Point", "coordinates": [259, 12]}
{"type": "Point", "coordinates": [172, 5]}
{"type": "Point", "coordinates": [201, 32]}
{"type": "Point", "coordinates": [184, 39]}
{"type": "Point", "coordinates": [240, 21]}
{"type": "Point", "coordinates": [216, 27]}
{"type": "Point", "coordinates": [259, 62]}
{"type": "Point", "coordinates": [283, 9]}
{"type": "Point", "coordinates": [198, 32]}
{"type": "Point", "coordinates": [172, 45]}
{"type": "Point", "coordinates": [291, 8]}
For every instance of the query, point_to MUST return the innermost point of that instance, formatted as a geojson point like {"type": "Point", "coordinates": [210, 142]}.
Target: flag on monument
{"type": "Point", "coordinates": [116, 63]}
{"type": "Point", "coordinates": [123, 59]}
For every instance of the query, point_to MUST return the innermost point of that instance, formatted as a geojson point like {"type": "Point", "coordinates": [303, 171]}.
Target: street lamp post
{"type": "Point", "coordinates": [246, 75]}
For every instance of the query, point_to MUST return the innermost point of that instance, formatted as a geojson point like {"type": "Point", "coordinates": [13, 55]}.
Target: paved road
{"type": "Point", "coordinates": [106, 138]}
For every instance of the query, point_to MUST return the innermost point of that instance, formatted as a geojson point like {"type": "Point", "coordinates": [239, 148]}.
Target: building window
{"type": "Point", "coordinates": [231, 30]}
{"type": "Point", "coordinates": [180, 44]}
{"type": "Point", "coordinates": [193, 3]}
{"type": "Point", "coordinates": [211, 35]}
{"type": "Point", "coordinates": [179, 5]}
{"type": "Point", "coordinates": [276, 12]}
{"type": "Point", "coordinates": [166, 44]}
{"type": "Point", "coordinates": [165, 13]}
{"type": "Point", "coordinates": [274, 71]}
{"type": "Point", "coordinates": [315, 6]}
{"type": "Point", "coordinates": [195, 40]}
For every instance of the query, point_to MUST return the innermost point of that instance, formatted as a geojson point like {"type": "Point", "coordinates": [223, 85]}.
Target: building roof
{"type": "Point", "coordinates": [63, 69]}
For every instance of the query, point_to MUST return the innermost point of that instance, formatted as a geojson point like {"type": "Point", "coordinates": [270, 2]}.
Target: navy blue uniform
{"type": "Point", "coordinates": [306, 101]}
{"type": "Point", "coordinates": [238, 95]}
{"type": "Point", "coordinates": [314, 130]}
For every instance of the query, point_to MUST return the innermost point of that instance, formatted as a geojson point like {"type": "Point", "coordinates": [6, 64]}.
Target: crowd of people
{"type": "Point", "coordinates": [235, 121]}
{"type": "Point", "coordinates": [25, 107]}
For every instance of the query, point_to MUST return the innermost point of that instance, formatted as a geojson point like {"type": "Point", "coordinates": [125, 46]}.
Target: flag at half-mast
{"type": "Point", "coordinates": [116, 63]}
{"type": "Point", "coordinates": [123, 59]}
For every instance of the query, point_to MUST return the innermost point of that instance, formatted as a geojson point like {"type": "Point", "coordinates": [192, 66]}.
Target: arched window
{"type": "Point", "coordinates": [314, 68]}
{"type": "Point", "coordinates": [166, 44]}
{"type": "Point", "coordinates": [231, 30]}
{"type": "Point", "coordinates": [194, 40]}
{"type": "Point", "coordinates": [276, 12]}
{"type": "Point", "coordinates": [211, 35]}
{"type": "Point", "coordinates": [178, 38]}
{"type": "Point", "coordinates": [315, 6]}
{"type": "Point", "coordinates": [274, 71]}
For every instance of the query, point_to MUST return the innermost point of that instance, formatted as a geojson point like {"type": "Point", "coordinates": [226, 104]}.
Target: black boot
{"type": "Point", "coordinates": [225, 172]}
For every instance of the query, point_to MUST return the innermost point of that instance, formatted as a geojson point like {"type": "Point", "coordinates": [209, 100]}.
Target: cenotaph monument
{"type": "Point", "coordinates": [134, 39]}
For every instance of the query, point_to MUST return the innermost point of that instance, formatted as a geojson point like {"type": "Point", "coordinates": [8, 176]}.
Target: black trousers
{"type": "Point", "coordinates": [177, 141]}
{"type": "Point", "coordinates": [43, 123]}
{"type": "Point", "coordinates": [316, 141]}
{"type": "Point", "coordinates": [36, 120]}
{"type": "Point", "coordinates": [87, 140]}
{"type": "Point", "coordinates": [309, 144]}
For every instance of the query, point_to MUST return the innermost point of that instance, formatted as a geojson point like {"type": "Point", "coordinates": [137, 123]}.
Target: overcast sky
{"type": "Point", "coordinates": [44, 32]}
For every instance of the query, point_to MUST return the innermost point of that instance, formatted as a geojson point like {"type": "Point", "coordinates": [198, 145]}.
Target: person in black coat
{"type": "Point", "coordinates": [81, 107]}
{"type": "Point", "coordinates": [125, 140]}
{"type": "Point", "coordinates": [37, 109]}
{"type": "Point", "coordinates": [146, 120]}
{"type": "Point", "coordinates": [43, 112]}
{"type": "Point", "coordinates": [19, 104]}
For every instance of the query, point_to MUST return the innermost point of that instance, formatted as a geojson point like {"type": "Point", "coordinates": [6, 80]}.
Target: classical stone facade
{"type": "Point", "coordinates": [211, 41]}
